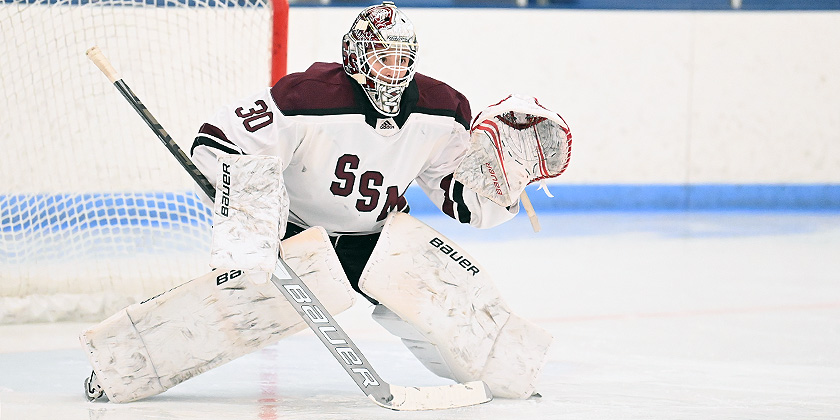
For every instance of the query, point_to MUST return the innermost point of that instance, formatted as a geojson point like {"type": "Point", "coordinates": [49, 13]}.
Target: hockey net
{"type": "Point", "coordinates": [94, 212]}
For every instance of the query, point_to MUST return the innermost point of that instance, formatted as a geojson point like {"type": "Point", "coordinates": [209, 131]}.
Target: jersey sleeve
{"type": "Point", "coordinates": [452, 197]}
{"type": "Point", "coordinates": [252, 126]}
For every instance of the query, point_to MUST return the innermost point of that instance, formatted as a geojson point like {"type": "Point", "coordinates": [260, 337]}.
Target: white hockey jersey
{"type": "Point", "coordinates": [345, 165]}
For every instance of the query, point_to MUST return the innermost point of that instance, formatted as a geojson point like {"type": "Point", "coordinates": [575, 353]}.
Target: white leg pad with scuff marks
{"type": "Point", "coordinates": [154, 345]}
{"type": "Point", "coordinates": [446, 309]}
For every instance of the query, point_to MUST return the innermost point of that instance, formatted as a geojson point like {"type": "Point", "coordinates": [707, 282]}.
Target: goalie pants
{"type": "Point", "coordinates": [353, 253]}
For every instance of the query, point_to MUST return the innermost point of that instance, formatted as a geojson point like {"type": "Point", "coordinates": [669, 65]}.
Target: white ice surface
{"type": "Point", "coordinates": [654, 316]}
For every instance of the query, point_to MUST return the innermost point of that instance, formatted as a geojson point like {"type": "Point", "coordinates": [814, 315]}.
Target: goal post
{"type": "Point", "coordinates": [93, 215]}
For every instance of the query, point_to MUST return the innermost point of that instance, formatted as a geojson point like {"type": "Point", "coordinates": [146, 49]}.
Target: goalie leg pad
{"type": "Point", "coordinates": [448, 312]}
{"type": "Point", "coordinates": [154, 345]}
{"type": "Point", "coordinates": [427, 353]}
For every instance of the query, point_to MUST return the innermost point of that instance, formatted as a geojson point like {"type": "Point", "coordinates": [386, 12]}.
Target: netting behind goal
{"type": "Point", "coordinates": [94, 212]}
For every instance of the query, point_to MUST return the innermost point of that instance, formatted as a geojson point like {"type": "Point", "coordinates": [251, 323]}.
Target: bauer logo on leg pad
{"type": "Point", "coordinates": [454, 255]}
{"type": "Point", "coordinates": [230, 275]}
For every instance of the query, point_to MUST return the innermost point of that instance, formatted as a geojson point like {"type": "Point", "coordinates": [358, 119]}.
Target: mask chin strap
{"type": "Point", "coordinates": [383, 97]}
{"type": "Point", "coordinates": [386, 98]}
{"type": "Point", "coordinates": [390, 97]}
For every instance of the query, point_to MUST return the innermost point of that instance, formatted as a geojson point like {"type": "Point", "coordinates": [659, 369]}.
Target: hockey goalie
{"type": "Point", "coordinates": [314, 169]}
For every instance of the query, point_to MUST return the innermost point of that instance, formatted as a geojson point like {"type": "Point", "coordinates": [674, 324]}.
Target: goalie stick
{"type": "Point", "coordinates": [309, 307]}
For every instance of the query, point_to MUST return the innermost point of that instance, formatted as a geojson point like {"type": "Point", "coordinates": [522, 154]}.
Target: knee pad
{"type": "Point", "coordinates": [448, 312]}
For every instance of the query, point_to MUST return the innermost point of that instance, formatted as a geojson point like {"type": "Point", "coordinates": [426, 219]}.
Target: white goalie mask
{"type": "Point", "coordinates": [379, 52]}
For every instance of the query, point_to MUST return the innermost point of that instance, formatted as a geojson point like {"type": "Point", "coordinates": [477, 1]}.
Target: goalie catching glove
{"type": "Point", "coordinates": [512, 144]}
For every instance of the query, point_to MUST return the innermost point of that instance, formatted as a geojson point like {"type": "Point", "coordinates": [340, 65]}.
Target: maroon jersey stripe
{"type": "Point", "coordinates": [448, 205]}
{"type": "Point", "coordinates": [212, 130]}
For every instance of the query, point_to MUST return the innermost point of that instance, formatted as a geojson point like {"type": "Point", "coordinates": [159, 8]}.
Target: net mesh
{"type": "Point", "coordinates": [94, 212]}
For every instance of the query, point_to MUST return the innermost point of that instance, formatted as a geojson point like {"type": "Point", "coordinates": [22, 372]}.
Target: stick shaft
{"type": "Point", "coordinates": [532, 215]}
{"type": "Point", "coordinates": [164, 137]}
{"type": "Point", "coordinates": [105, 66]}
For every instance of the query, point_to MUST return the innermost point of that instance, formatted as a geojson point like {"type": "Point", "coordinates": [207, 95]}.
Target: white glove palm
{"type": "Point", "coordinates": [512, 144]}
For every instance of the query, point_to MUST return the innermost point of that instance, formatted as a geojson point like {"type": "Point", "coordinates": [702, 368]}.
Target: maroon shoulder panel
{"type": "Point", "coordinates": [322, 87]}
{"type": "Point", "coordinates": [436, 95]}
{"type": "Point", "coordinates": [325, 89]}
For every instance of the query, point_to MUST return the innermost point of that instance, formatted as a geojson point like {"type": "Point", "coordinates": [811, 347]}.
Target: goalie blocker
{"type": "Point", "coordinates": [249, 214]}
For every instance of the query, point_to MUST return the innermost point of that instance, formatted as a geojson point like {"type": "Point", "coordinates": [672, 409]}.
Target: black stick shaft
{"type": "Point", "coordinates": [164, 137]}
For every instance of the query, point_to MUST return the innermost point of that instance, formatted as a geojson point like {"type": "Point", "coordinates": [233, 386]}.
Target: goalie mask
{"type": "Point", "coordinates": [379, 52]}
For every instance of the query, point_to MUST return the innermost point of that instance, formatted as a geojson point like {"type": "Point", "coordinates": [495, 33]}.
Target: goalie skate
{"type": "Point", "coordinates": [93, 390]}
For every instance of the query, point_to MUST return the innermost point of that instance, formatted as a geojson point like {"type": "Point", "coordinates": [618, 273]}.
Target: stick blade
{"type": "Point", "coordinates": [438, 397]}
